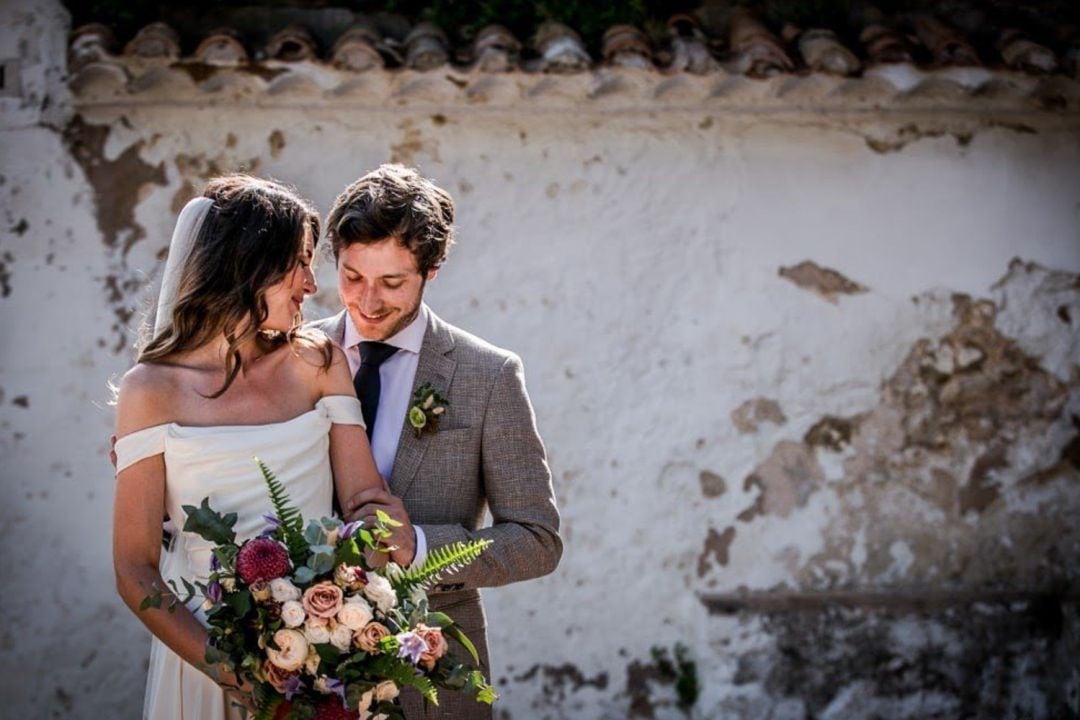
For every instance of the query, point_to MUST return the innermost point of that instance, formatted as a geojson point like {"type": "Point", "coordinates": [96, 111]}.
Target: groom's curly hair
{"type": "Point", "coordinates": [394, 201]}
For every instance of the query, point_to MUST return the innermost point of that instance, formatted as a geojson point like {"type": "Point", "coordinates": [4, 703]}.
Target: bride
{"type": "Point", "coordinates": [227, 375]}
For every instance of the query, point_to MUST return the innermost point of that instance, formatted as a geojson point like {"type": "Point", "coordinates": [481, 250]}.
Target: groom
{"type": "Point", "coordinates": [390, 231]}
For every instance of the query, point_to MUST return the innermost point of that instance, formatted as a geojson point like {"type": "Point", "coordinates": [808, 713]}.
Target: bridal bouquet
{"type": "Point", "coordinates": [301, 614]}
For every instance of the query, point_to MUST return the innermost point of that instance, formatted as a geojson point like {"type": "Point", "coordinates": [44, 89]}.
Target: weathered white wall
{"type": "Point", "coordinates": [887, 474]}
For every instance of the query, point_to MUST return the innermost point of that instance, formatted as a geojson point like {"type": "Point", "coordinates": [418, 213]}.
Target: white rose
{"type": "Point", "coordinates": [385, 691]}
{"type": "Point", "coordinates": [311, 664]}
{"type": "Point", "coordinates": [317, 633]}
{"type": "Point", "coordinates": [228, 584]}
{"type": "Point", "coordinates": [380, 592]}
{"type": "Point", "coordinates": [292, 650]}
{"type": "Point", "coordinates": [292, 613]}
{"type": "Point", "coordinates": [341, 638]}
{"type": "Point", "coordinates": [355, 613]}
{"type": "Point", "coordinates": [282, 590]}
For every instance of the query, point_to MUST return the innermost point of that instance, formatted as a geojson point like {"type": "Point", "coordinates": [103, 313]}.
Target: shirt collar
{"type": "Point", "coordinates": [410, 337]}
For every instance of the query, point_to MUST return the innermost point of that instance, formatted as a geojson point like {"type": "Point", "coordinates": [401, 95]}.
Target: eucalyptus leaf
{"type": "Point", "coordinates": [314, 534]}
{"type": "Point", "coordinates": [321, 562]}
{"type": "Point", "coordinates": [209, 524]}
{"type": "Point", "coordinates": [303, 575]}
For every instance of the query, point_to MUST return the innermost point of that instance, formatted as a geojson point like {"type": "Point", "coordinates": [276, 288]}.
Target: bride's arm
{"type": "Point", "coordinates": [139, 507]}
{"type": "Point", "coordinates": [350, 453]}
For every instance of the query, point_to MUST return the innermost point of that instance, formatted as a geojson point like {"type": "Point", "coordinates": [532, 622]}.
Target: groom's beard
{"type": "Point", "coordinates": [407, 317]}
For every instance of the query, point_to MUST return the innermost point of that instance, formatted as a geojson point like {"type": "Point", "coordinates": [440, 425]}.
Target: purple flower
{"type": "Point", "coordinates": [338, 688]}
{"type": "Point", "coordinates": [215, 565]}
{"type": "Point", "coordinates": [272, 525]}
{"type": "Point", "coordinates": [214, 592]}
{"type": "Point", "coordinates": [293, 686]}
{"type": "Point", "coordinates": [412, 646]}
{"type": "Point", "coordinates": [350, 528]}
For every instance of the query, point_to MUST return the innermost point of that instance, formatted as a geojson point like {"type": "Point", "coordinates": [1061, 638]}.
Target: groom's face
{"type": "Point", "coordinates": [380, 286]}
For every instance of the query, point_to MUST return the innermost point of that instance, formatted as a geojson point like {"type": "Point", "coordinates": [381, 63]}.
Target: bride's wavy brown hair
{"type": "Point", "coordinates": [251, 238]}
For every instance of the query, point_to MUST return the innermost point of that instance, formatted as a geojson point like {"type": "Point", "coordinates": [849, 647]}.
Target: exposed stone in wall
{"type": "Point", "coordinates": [962, 479]}
{"type": "Point", "coordinates": [966, 660]}
{"type": "Point", "coordinates": [955, 429]}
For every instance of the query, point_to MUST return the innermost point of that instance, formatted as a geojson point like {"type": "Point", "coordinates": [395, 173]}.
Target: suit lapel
{"type": "Point", "coordinates": [435, 366]}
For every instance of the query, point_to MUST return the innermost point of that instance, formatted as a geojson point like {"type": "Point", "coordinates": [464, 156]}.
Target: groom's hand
{"type": "Point", "coordinates": [364, 504]}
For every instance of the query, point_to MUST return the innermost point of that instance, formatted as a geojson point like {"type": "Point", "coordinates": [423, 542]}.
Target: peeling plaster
{"type": "Point", "coordinates": [748, 416]}
{"type": "Point", "coordinates": [715, 550]}
{"type": "Point", "coordinates": [118, 184]}
{"type": "Point", "coordinates": [824, 282]}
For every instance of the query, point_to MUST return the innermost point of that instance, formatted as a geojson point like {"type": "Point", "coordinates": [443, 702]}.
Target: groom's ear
{"type": "Point", "coordinates": [432, 274]}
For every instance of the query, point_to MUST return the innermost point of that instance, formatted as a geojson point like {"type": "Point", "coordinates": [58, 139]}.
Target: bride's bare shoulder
{"type": "Point", "coordinates": [321, 362]}
{"type": "Point", "coordinates": [145, 397]}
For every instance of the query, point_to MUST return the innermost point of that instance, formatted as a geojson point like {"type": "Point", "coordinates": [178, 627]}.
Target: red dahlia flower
{"type": "Point", "coordinates": [262, 559]}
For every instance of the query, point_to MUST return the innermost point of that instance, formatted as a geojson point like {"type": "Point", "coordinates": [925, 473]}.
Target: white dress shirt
{"type": "Point", "coordinates": [396, 376]}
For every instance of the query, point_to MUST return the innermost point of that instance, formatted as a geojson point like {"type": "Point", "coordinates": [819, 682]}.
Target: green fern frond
{"type": "Point", "coordinates": [439, 561]}
{"type": "Point", "coordinates": [267, 702]}
{"type": "Point", "coordinates": [289, 517]}
{"type": "Point", "coordinates": [404, 675]}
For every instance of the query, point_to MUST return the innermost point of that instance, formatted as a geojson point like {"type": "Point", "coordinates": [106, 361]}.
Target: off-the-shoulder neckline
{"type": "Point", "coordinates": [237, 426]}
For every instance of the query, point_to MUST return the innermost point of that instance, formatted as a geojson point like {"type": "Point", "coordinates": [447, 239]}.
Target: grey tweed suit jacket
{"type": "Point", "coordinates": [486, 454]}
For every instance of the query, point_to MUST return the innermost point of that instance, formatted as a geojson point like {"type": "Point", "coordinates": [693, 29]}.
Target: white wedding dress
{"type": "Point", "coordinates": [217, 462]}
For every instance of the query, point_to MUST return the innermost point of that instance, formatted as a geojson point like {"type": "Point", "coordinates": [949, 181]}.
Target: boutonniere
{"type": "Point", "coordinates": [427, 409]}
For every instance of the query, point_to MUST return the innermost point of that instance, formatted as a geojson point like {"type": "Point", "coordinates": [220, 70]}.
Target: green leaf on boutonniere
{"type": "Point", "coordinates": [209, 524]}
{"type": "Point", "coordinates": [427, 408]}
{"type": "Point", "coordinates": [417, 418]}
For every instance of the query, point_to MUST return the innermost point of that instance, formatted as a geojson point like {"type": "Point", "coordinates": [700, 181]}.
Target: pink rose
{"type": "Point", "coordinates": [436, 645]}
{"type": "Point", "coordinates": [276, 676]}
{"type": "Point", "coordinates": [323, 600]}
{"type": "Point", "coordinates": [367, 638]}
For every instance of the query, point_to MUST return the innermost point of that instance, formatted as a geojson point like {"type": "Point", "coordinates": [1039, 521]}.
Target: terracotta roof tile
{"type": "Point", "coordinates": [947, 56]}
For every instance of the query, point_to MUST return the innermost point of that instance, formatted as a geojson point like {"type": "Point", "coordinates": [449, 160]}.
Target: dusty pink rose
{"type": "Point", "coordinates": [276, 676]}
{"type": "Point", "coordinates": [367, 638]}
{"type": "Point", "coordinates": [323, 600]}
{"type": "Point", "coordinates": [436, 645]}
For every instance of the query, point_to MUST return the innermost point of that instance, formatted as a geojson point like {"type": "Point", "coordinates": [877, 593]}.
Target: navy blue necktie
{"type": "Point", "coordinates": [367, 384]}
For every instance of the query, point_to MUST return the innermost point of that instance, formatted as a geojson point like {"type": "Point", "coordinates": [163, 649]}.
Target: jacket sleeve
{"type": "Point", "coordinates": [517, 482]}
